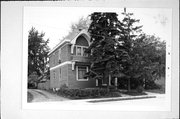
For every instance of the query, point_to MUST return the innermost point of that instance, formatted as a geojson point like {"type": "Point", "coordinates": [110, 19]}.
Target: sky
{"type": "Point", "coordinates": [56, 22]}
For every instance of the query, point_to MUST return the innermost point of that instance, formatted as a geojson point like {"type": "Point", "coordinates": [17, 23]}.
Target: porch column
{"type": "Point", "coordinates": [116, 82]}
{"type": "Point", "coordinates": [109, 80]}
{"type": "Point", "coordinates": [96, 82]}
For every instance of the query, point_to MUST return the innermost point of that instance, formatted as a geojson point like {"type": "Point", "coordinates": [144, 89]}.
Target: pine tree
{"type": "Point", "coordinates": [147, 53]}
{"type": "Point", "coordinates": [129, 33]}
{"type": "Point", "coordinates": [106, 51]}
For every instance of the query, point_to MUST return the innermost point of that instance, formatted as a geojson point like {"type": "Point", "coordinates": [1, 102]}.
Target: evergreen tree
{"type": "Point", "coordinates": [147, 53]}
{"type": "Point", "coordinates": [129, 33]}
{"type": "Point", "coordinates": [107, 52]}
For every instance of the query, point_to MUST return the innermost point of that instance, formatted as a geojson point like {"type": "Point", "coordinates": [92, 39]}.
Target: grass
{"type": "Point", "coordinates": [30, 97]}
{"type": "Point", "coordinates": [134, 93]}
{"type": "Point", "coordinates": [159, 91]}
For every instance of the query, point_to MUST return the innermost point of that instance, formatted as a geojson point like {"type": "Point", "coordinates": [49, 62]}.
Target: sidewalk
{"type": "Point", "coordinates": [124, 97]}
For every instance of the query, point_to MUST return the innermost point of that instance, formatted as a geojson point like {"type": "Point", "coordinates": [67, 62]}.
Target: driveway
{"type": "Point", "coordinates": [44, 96]}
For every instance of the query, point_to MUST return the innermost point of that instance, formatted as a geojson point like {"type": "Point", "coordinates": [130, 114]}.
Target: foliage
{"type": "Point", "coordinates": [37, 54]}
{"type": "Point", "coordinates": [148, 62]}
{"type": "Point", "coordinates": [146, 52]}
{"type": "Point", "coordinates": [86, 93]}
{"type": "Point", "coordinates": [107, 52]}
{"type": "Point", "coordinates": [140, 89]}
{"type": "Point", "coordinates": [135, 93]}
{"type": "Point", "coordinates": [121, 47]}
{"type": "Point", "coordinates": [83, 23]}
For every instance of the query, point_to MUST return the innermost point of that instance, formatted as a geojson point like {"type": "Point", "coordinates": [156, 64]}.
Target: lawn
{"type": "Point", "coordinates": [133, 93]}
{"type": "Point", "coordinates": [160, 91]}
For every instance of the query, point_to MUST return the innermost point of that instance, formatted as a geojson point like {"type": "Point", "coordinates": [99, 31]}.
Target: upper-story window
{"type": "Point", "coordinates": [80, 46]}
{"type": "Point", "coordinates": [80, 50]}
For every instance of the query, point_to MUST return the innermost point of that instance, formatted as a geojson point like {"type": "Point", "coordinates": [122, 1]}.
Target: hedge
{"type": "Point", "coordinates": [86, 93]}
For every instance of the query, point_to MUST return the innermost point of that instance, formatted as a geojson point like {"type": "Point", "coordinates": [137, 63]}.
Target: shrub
{"type": "Point", "coordinates": [84, 93]}
{"type": "Point", "coordinates": [64, 86]}
{"type": "Point", "coordinates": [139, 89]}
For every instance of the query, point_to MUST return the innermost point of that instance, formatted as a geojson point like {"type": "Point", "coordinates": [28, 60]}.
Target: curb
{"type": "Point", "coordinates": [121, 98]}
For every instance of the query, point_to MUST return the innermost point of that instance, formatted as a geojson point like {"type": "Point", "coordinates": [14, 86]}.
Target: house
{"type": "Point", "coordinates": [69, 63]}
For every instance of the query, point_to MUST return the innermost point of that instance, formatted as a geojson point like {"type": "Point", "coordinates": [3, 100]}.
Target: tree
{"type": "Point", "coordinates": [129, 33]}
{"type": "Point", "coordinates": [37, 54]}
{"type": "Point", "coordinates": [107, 52]}
{"type": "Point", "coordinates": [146, 52]}
{"type": "Point", "coordinates": [82, 24]}
{"type": "Point", "coordinates": [149, 59]}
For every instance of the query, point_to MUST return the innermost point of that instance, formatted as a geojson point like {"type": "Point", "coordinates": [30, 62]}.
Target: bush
{"type": "Point", "coordinates": [152, 85]}
{"type": "Point", "coordinates": [139, 89]}
{"type": "Point", "coordinates": [86, 93]}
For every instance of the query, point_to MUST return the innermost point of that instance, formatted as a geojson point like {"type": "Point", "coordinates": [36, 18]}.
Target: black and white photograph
{"type": "Point", "coordinates": [89, 59]}
{"type": "Point", "coordinates": [98, 56]}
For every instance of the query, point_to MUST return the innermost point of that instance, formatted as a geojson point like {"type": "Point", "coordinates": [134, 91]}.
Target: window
{"type": "Point", "coordinates": [80, 73]}
{"type": "Point", "coordinates": [84, 54]}
{"type": "Point", "coordinates": [80, 50]}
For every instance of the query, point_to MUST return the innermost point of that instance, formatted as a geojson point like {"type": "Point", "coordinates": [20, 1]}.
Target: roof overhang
{"type": "Point", "coordinates": [72, 41]}
{"type": "Point", "coordinates": [57, 46]}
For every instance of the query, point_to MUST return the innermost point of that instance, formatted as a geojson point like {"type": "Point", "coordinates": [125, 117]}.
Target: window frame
{"type": "Point", "coordinates": [81, 50]}
{"type": "Point", "coordinates": [85, 79]}
{"type": "Point", "coordinates": [77, 51]}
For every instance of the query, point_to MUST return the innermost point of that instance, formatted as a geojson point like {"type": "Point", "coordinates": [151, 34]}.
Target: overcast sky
{"type": "Point", "coordinates": [56, 21]}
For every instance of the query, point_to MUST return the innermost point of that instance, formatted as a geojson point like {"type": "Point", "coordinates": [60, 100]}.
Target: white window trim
{"type": "Point", "coordinates": [82, 52]}
{"type": "Point", "coordinates": [87, 69]}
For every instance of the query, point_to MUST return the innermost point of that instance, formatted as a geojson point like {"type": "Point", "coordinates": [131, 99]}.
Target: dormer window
{"type": "Point", "coordinates": [80, 50]}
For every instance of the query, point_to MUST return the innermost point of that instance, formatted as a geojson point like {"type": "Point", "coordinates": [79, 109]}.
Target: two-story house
{"type": "Point", "coordinates": [69, 62]}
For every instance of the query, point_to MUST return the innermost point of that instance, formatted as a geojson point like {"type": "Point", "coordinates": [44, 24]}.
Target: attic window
{"type": "Point", "coordinates": [80, 50]}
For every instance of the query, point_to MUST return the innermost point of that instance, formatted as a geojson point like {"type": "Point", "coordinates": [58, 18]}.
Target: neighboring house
{"type": "Point", "coordinates": [69, 63]}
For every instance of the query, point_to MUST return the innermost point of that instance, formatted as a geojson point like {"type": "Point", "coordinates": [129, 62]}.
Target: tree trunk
{"type": "Point", "coordinates": [129, 85]}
